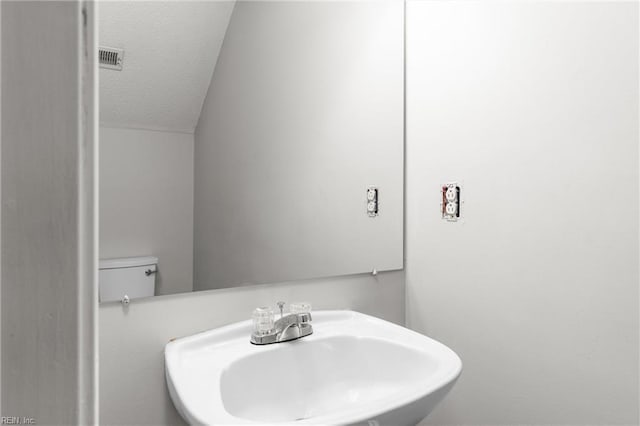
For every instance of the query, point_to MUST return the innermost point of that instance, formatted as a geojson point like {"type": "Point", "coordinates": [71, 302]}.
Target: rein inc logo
{"type": "Point", "coordinates": [15, 420]}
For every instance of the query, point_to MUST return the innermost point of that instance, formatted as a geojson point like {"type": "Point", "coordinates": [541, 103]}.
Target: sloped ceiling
{"type": "Point", "coordinates": [171, 48]}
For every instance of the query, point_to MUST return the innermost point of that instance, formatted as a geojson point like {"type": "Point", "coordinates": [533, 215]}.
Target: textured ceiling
{"type": "Point", "coordinates": [171, 48]}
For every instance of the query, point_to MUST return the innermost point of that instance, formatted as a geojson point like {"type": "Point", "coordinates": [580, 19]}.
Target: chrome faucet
{"type": "Point", "coordinates": [292, 326]}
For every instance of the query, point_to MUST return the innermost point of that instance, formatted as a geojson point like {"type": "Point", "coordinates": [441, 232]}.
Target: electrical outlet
{"type": "Point", "coordinates": [372, 201]}
{"type": "Point", "coordinates": [451, 195]}
{"type": "Point", "coordinates": [451, 202]}
{"type": "Point", "coordinates": [451, 209]}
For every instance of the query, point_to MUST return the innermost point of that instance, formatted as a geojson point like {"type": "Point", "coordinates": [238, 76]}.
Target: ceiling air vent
{"type": "Point", "coordinates": [111, 58]}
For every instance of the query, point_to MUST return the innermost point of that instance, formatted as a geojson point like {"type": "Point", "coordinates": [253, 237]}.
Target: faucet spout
{"type": "Point", "coordinates": [291, 332]}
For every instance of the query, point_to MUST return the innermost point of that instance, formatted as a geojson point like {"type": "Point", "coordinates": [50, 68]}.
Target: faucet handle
{"type": "Point", "coordinates": [281, 306]}
{"type": "Point", "coordinates": [300, 307]}
{"type": "Point", "coordinates": [262, 320]}
{"type": "Point", "coordinates": [302, 310]}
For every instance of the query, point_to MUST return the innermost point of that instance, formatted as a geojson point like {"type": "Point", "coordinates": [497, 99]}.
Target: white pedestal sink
{"type": "Point", "coordinates": [353, 369]}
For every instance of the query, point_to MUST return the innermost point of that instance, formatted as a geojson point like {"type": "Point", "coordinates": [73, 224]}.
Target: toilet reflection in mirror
{"type": "Point", "coordinates": [236, 149]}
{"type": "Point", "coordinates": [127, 278]}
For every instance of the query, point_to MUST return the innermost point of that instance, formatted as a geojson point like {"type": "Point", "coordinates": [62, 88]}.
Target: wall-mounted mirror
{"type": "Point", "coordinates": [238, 142]}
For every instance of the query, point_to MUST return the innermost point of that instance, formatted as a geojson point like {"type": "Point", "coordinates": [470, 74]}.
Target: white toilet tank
{"type": "Point", "coordinates": [134, 277]}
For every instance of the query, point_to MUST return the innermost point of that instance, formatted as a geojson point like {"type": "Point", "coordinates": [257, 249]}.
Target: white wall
{"type": "Point", "coordinates": [534, 107]}
{"type": "Point", "coordinates": [49, 297]}
{"type": "Point", "coordinates": [304, 112]}
{"type": "Point", "coordinates": [536, 100]}
{"type": "Point", "coordinates": [132, 381]}
{"type": "Point", "coordinates": [146, 201]}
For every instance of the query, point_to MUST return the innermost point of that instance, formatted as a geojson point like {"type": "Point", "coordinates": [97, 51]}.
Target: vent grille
{"type": "Point", "coordinates": [111, 58]}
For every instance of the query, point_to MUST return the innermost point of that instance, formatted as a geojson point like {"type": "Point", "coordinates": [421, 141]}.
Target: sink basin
{"type": "Point", "coordinates": [353, 369]}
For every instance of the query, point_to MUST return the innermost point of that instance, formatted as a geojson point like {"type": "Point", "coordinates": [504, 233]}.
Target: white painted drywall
{"type": "Point", "coordinates": [533, 106]}
{"type": "Point", "coordinates": [170, 51]}
{"type": "Point", "coordinates": [304, 112]}
{"type": "Point", "coordinates": [132, 381]}
{"type": "Point", "coordinates": [49, 361]}
{"type": "Point", "coordinates": [146, 201]}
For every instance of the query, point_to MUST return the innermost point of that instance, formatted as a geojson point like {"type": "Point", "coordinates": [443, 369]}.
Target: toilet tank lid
{"type": "Point", "coordinates": [128, 262]}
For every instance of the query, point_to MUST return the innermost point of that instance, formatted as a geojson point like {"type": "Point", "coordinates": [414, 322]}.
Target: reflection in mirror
{"type": "Point", "coordinates": [240, 143]}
